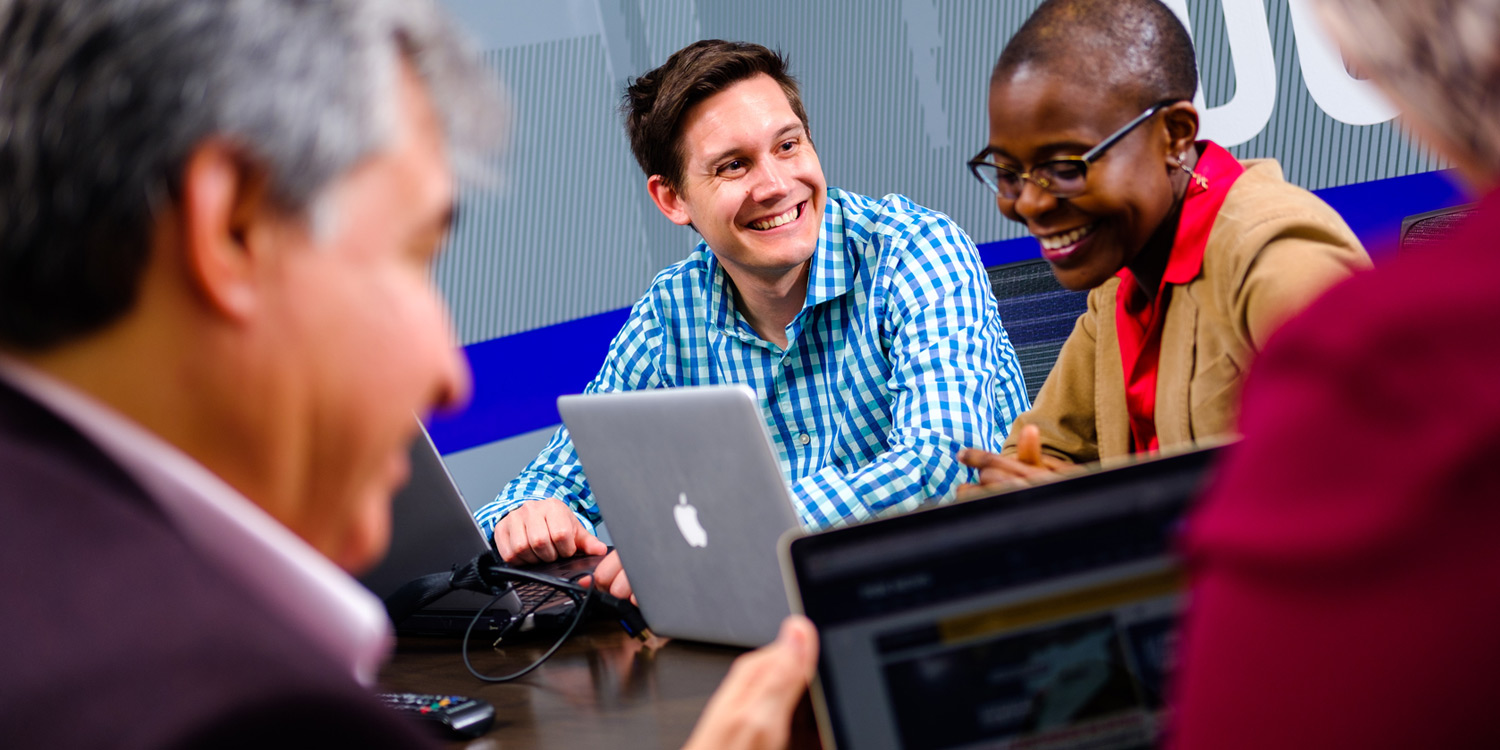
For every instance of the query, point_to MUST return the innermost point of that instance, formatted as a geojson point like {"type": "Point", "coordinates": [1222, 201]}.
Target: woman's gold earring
{"type": "Point", "coordinates": [1198, 178]}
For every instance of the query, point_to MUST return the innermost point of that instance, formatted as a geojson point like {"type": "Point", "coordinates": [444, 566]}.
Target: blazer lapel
{"type": "Point", "coordinates": [1111, 415]}
{"type": "Point", "coordinates": [1174, 370]}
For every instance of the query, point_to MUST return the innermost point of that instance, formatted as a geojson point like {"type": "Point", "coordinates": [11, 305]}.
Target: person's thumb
{"type": "Point", "coordinates": [1029, 447]}
{"type": "Point", "coordinates": [589, 543]}
{"type": "Point", "coordinates": [800, 639]}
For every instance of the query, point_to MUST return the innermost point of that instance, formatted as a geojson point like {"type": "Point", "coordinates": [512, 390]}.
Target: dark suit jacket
{"type": "Point", "coordinates": [115, 634]}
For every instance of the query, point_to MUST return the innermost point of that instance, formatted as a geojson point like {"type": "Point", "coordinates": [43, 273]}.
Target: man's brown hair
{"type": "Point", "coordinates": [655, 103]}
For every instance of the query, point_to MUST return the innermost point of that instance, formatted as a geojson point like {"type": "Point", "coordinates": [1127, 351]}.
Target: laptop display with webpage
{"type": "Point", "coordinates": [695, 502]}
{"type": "Point", "coordinates": [1040, 618]}
{"type": "Point", "coordinates": [433, 530]}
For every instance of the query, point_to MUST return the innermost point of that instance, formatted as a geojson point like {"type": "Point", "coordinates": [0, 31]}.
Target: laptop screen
{"type": "Point", "coordinates": [1042, 618]}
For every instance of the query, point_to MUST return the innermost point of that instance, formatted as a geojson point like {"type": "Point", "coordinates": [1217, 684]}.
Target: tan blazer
{"type": "Point", "coordinates": [1273, 248]}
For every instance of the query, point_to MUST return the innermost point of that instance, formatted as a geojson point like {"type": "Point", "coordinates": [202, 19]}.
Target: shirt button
{"type": "Point", "coordinates": [804, 438]}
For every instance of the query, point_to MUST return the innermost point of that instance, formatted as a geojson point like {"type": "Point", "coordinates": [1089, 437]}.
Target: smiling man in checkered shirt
{"type": "Point", "coordinates": [866, 326]}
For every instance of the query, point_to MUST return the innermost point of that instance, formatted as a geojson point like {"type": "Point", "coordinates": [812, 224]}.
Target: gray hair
{"type": "Point", "coordinates": [103, 101]}
{"type": "Point", "coordinates": [1441, 58]}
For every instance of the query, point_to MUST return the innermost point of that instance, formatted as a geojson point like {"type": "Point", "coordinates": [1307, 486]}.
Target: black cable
{"type": "Point", "coordinates": [509, 574]}
{"type": "Point", "coordinates": [580, 595]}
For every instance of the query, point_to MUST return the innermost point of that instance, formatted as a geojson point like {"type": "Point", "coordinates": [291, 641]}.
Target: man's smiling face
{"type": "Point", "coordinates": [751, 182]}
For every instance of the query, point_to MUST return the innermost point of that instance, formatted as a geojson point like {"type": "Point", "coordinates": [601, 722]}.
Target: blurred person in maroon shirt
{"type": "Point", "coordinates": [1346, 566]}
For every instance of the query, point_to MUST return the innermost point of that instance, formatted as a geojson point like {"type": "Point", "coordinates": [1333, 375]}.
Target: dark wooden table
{"type": "Point", "coordinates": [601, 689]}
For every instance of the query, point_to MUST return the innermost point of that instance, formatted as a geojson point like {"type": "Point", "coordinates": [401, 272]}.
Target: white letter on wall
{"type": "Point", "coordinates": [1344, 97]}
{"type": "Point", "coordinates": [1244, 116]}
{"type": "Point", "coordinates": [924, 42]}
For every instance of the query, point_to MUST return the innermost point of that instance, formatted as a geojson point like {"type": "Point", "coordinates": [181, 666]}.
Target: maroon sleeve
{"type": "Point", "coordinates": [1347, 565]}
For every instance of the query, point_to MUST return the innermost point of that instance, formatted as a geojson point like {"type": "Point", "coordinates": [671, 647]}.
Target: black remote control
{"type": "Point", "coordinates": [454, 715]}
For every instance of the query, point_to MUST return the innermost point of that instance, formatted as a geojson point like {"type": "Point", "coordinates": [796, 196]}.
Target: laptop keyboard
{"type": "Point", "coordinates": [534, 594]}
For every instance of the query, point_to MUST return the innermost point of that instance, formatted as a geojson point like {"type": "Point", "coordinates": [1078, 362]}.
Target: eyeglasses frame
{"type": "Point", "coordinates": [1083, 160]}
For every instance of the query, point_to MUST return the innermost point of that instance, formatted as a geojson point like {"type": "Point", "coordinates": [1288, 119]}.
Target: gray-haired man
{"type": "Point", "coordinates": [216, 220]}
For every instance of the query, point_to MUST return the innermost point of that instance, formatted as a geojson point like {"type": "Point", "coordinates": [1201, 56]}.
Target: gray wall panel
{"type": "Point", "coordinates": [895, 90]}
{"type": "Point", "coordinates": [562, 236]}
{"type": "Point", "coordinates": [896, 93]}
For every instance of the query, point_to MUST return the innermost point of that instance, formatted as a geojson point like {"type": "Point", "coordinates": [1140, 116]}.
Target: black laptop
{"type": "Point", "coordinates": [1040, 618]}
{"type": "Point", "coordinates": [433, 530]}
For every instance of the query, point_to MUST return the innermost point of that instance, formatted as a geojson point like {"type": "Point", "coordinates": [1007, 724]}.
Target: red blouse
{"type": "Point", "coordinates": [1138, 319]}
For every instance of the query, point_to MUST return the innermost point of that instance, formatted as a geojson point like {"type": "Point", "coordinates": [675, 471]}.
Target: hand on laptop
{"type": "Point", "coordinates": [543, 531]}
{"type": "Point", "coordinates": [609, 576]}
{"type": "Point", "coordinates": [1027, 466]}
{"type": "Point", "coordinates": [753, 707]}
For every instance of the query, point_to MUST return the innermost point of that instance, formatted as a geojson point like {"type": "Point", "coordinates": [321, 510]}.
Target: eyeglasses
{"type": "Point", "coordinates": [1065, 177]}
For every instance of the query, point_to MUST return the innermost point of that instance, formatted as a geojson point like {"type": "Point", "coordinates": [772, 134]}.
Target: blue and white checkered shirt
{"type": "Point", "coordinates": [896, 361]}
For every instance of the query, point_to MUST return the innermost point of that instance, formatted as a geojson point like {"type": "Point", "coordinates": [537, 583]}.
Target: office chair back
{"type": "Point", "coordinates": [1432, 228]}
{"type": "Point", "coordinates": [1038, 314]}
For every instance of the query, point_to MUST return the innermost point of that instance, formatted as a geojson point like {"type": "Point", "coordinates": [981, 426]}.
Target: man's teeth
{"type": "Point", "coordinates": [1058, 241]}
{"type": "Point", "coordinates": [776, 221]}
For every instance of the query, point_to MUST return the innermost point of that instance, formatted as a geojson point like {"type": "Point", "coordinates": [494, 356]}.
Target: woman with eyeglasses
{"type": "Point", "coordinates": [1194, 257]}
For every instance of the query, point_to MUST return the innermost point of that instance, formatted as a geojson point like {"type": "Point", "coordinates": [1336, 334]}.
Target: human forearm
{"type": "Point", "coordinates": [554, 473]}
{"type": "Point", "coordinates": [898, 479]}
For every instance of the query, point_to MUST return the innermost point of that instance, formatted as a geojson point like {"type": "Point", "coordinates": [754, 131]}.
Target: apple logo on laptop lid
{"type": "Point", "coordinates": [687, 522]}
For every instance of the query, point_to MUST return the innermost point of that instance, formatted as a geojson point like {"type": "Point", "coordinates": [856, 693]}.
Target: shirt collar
{"type": "Point", "coordinates": [834, 265]}
{"type": "Point", "coordinates": [332, 611]}
{"type": "Point", "coordinates": [832, 273]}
{"type": "Point", "coordinates": [1213, 175]}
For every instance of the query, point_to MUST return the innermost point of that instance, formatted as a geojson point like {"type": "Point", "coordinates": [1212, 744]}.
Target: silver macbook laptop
{"type": "Point", "coordinates": [431, 531]}
{"type": "Point", "coordinates": [694, 501]}
{"type": "Point", "coordinates": [1041, 618]}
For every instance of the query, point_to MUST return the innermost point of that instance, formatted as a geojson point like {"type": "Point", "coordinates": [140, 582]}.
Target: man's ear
{"type": "Point", "coordinates": [1181, 121]}
{"type": "Point", "coordinates": [668, 200]}
{"type": "Point", "coordinates": [223, 197]}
